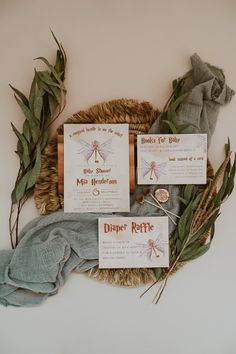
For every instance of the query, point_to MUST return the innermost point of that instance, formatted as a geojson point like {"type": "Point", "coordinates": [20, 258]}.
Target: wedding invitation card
{"type": "Point", "coordinates": [133, 242]}
{"type": "Point", "coordinates": [172, 158]}
{"type": "Point", "coordinates": [96, 168]}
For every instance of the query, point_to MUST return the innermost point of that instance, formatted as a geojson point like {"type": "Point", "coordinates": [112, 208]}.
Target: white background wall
{"type": "Point", "coordinates": [116, 49]}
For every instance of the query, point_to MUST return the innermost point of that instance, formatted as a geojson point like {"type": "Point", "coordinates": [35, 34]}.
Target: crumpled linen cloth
{"type": "Point", "coordinates": [53, 246]}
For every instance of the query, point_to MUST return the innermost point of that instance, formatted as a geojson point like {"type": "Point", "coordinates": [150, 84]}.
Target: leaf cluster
{"type": "Point", "coordinates": [45, 102]}
{"type": "Point", "coordinates": [169, 121]}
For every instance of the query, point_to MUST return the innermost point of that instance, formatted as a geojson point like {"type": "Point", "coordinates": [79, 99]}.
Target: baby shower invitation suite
{"type": "Point", "coordinates": [96, 168]}
{"type": "Point", "coordinates": [133, 242]}
{"type": "Point", "coordinates": [172, 158]}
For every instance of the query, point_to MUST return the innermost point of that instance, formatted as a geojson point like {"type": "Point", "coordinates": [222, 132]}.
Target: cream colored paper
{"type": "Point", "coordinates": [172, 158]}
{"type": "Point", "coordinates": [133, 242]}
{"type": "Point", "coordinates": [96, 168]}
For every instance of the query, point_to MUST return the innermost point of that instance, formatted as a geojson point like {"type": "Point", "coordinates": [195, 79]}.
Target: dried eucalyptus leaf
{"type": "Point", "coordinates": [32, 93]}
{"type": "Point", "coordinates": [182, 127]}
{"type": "Point", "coordinates": [34, 173]}
{"type": "Point", "coordinates": [20, 95]}
{"type": "Point", "coordinates": [45, 77]}
{"type": "Point", "coordinates": [193, 253]}
{"type": "Point", "coordinates": [185, 202]}
{"type": "Point", "coordinates": [179, 100]}
{"type": "Point", "coordinates": [38, 103]}
{"type": "Point", "coordinates": [55, 74]}
{"type": "Point", "coordinates": [34, 127]}
{"type": "Point", "coordinates": [182, 229]}
{"type": "Point", "coordinates": [188, 190]}
{"type": "Point", "coordinates": [196, 201]}
{"type": "Point", "coordinates": [25, 153]}
{"type": "Point", "coordinates": [26, 131]}
{"type": "Point", "coordinates": [52, 105]}
{"type": "Point", "coordinates": [42, 84]}
{"type": "Point", "coordinates": [20, 188]}
{"type": "Point", "coordinates": [157, 272]}
{"type": "Point", "coordinates": [171, 126]}
{"type": "Point", "coordinates": [56, 94]}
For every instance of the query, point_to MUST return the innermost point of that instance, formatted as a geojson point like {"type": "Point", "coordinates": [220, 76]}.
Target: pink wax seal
{"type": "Point", "coordinates": [162, 195]}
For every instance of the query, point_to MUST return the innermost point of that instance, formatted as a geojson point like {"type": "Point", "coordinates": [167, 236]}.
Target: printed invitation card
{"type": "Point", "coordinates": [133, 242]}
{"type": "Point", "coordinates": [172, 158]}
{"type": "Point", "coordinates": [96, 168]}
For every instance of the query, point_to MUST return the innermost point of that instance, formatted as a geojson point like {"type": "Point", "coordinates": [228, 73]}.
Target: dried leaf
{"type": "Point", "coordinates": [20, 188]}
{"type": "Point", "coordinates": [171, 126]}
{"type": "Point", "coordinates": [25, 153]}
{"type": "Point", "coordinates": [20, 95]}
{"type": "Point", "coordinates": [38, 103]}
{"type": "Point", "coordinates": [188, 191]}
{"type": "Point", "coordinates": [55, 74]}
{"type": "Point", "coordinates": [34, 128]}
{"type": "Point", "coordinates": [182, 230]}
{"type": "Point", "coordinates": [26, 131]}
{"type": "Point", "coordinates": [45, 77]}
{"type": "Point", "coordinates": [193, 253]}
{"type": "Point", "coordinates": [157, 272]}
{"type": "Point", "coordinates": [34, 173]}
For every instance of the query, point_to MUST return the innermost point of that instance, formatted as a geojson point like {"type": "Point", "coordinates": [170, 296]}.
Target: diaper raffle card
{"type": "Point", "coordinates": [96, 168]}
{"type": "Point", "coordinates": [172, 159]}
{"type": "Point", "coordinates": [133, 242]}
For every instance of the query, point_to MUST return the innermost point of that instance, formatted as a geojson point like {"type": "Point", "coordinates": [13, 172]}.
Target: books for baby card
{"type": "Point", "coordinates": [133, 242]}
{"type": "Point", "coordinates": [96, 168]}
{"type": "Point", "coordinates": [172, 158]}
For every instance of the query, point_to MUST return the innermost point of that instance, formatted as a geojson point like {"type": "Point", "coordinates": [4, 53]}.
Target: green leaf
{"type": "Point", "coordinates": [26, 131]}
{"type": "Point", "coordinates": [196, 201]}
{"type": "Point", "coordinates": [193, 253]}
{"type": "Point", "coordinates": [179, 100]}
{"type": "Point", "coordinates": [57, 94]}
{"type": "Point", "coordinates": [171, 126]}
{"type": "Point", "coordinates": [42, 84]}
{"type": "Point", "coordinates": [182, 127]}
{"type": "Point", "coordinates": [185, 202]}
{"type": "Point", "coordinates": [45, 77]}
{"type": "Point", "coordinates": [188, 190]}
{"type": "Point", "coordinates": [20, 95]}
{"type": "Point", "coordinates": [52, 105]}
{"type": "Point", "coordinates": [55, 74]}
{"type": "Point", "coordinates": [25, 153]}
{"type": "Point", "coordinates": [157, 272]}
{"type": "Point", "coordinates": [182, 224]}
{"type": "Point", "coordinates": [38, 103]}
{"type": "Point", "coordinates": [32, 94]}
{"type": "Point", "coordinates": [20, 188]}
{"type": "Point", "coordinates": [34, 173]}
{"type": "Point", "coordinates": [35, 131]}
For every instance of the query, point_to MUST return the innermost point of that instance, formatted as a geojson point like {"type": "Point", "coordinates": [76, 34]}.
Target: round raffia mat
{"type": "Point", "coordinates": [139, 116]}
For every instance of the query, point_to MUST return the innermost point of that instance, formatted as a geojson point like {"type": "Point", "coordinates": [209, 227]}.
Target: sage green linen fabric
{"type": "Point", "coordinates": [53, 246]}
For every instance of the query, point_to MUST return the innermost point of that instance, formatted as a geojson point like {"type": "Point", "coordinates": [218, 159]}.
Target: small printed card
{"type": "Point", "coordinates": [172, 158]}
{"type": "Point", "coordinates": [133, 242]}
{"type": "Point", "coordinates": [96, 168]}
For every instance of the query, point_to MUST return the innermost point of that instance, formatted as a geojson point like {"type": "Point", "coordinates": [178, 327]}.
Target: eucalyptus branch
{"type": "Point", "coordinates": [45, 103]}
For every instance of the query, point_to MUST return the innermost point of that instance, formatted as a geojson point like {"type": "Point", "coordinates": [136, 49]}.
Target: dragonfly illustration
{"type": "Point", "coordinates": [95, 148]}
{"type": "Point", "coordinates": [152, 248]}
{"type": "Point", "coordinates": [153, 168]}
